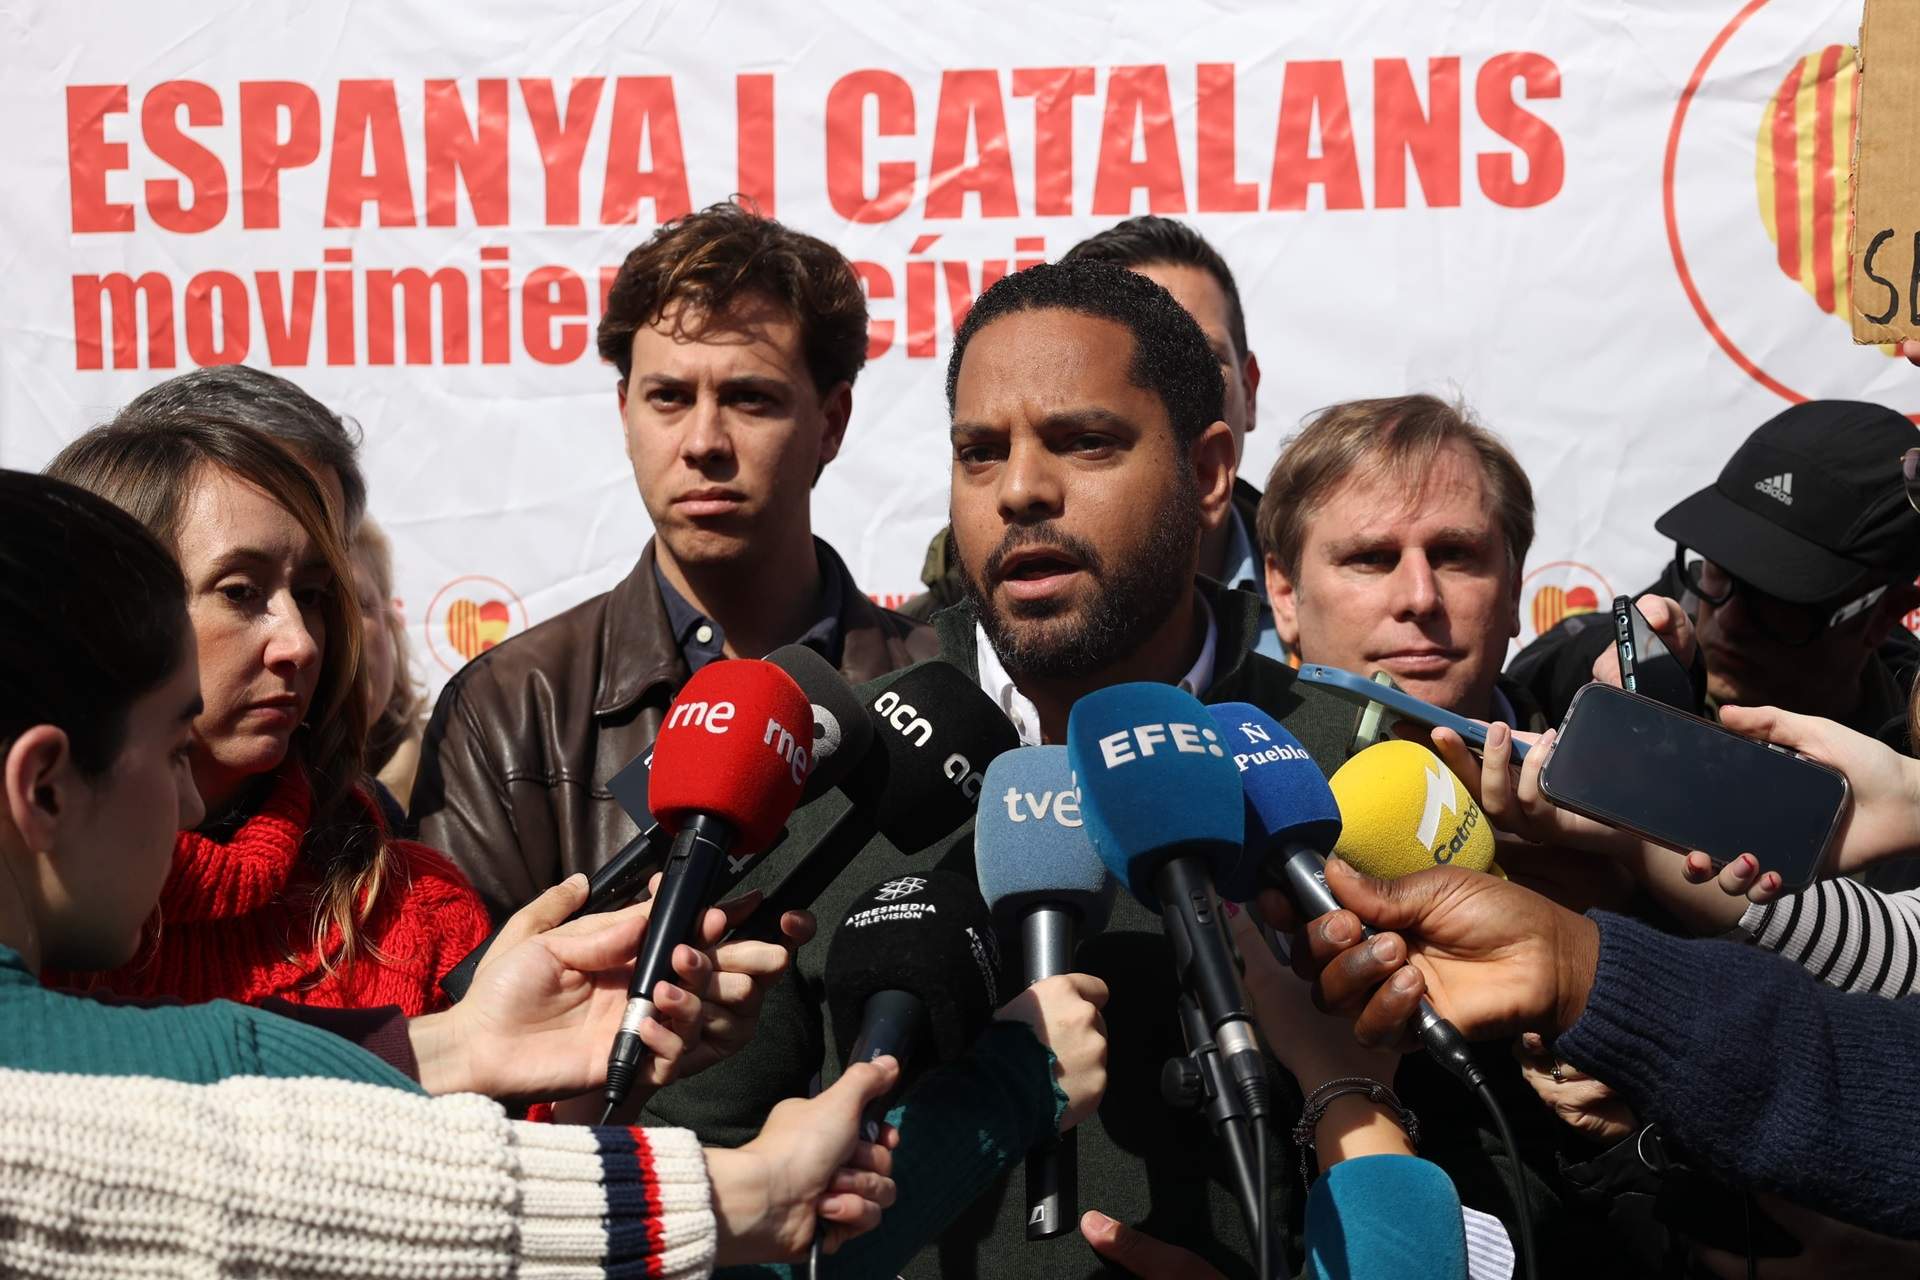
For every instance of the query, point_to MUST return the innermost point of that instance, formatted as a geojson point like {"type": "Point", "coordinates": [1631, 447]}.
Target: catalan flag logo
{"type": "Point", "coordinates": [1553, 605]}
{"type": "Point", "coordinates": [473, 628]}
{"type": "Point", "coordinates": [1802, 160]}
{"type": "Point", "coordinates": [469, 616]}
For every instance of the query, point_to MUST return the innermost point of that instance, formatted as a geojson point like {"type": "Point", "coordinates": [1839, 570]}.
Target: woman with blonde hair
{"type": "Point", "coordinates": [292, 886]}
{"type": "Point", "coordinates": [396, 705]}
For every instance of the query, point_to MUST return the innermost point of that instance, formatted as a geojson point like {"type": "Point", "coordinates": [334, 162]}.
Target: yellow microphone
{"type": "Point", "coordinates": [1402, 811]}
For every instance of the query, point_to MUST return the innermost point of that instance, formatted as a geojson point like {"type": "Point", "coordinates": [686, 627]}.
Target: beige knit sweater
{"type": "Point", "coordinates": [119, 1177]}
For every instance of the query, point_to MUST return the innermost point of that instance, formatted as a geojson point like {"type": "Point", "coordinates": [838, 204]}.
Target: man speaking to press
{"type": "Point", "coordinates": [1088, 456]}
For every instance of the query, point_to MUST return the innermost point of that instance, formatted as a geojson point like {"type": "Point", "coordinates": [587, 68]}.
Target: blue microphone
{"type": "Point", "coordinates": [1292, 821]}
{"type": "Point", "coordinates": [1047, 886]}
{"type": "Point", "coordinates": [1165, 810]}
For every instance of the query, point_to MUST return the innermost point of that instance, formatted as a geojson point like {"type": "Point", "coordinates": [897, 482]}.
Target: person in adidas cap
{"type": "Point", "coordinates": [1797, 566]}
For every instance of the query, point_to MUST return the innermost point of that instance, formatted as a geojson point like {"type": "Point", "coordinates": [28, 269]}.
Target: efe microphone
{"type": "Point", "coordinates": [728, 767]}
{"type": "Point", "coordinates": [1047, 887]}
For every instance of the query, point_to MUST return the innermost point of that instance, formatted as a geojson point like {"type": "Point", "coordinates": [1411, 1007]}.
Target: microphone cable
{"type": "Point", "coordinates": [1523, 1215]}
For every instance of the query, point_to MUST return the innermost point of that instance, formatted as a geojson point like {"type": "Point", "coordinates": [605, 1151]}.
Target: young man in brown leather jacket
{"type": "Point", "coordinates": [737, 342]}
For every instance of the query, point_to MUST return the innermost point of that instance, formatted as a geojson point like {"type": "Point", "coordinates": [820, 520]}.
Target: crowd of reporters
{"type": "Point", "coordinates": [239, 876]}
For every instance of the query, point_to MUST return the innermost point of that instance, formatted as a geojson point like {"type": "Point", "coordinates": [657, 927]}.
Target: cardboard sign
{"type": "Point", "coordinates": [1885, 241]}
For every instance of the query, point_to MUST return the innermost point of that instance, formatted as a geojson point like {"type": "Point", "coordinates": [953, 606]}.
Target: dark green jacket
{"type": "Point", "coordinates": [1140, 1161]}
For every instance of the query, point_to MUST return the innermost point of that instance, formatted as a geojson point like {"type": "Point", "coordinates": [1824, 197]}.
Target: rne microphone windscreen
{"type": "Point", "coordinates": [1289, 803]}
{"type": "Point", "coordinates": [1030, 842]}
{"type": "Point", "coordinates": [928, 934]}
{"type": "Point", "coordinates": [936, 733]}
{"type": "Point", "coordinates": [842, 733]}
{"type": "Point", "coordinates": [1155, 783]}
{"type": "Point", "coordinates": [736, 744]}
{"type": "Point", "coordinates": [1402, 811]}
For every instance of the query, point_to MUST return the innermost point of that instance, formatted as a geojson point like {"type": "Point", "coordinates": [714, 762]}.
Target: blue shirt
{"type": "Point", "coordinates": [1246, 571]}
{"type": "Point", "coordinates": [701, 640]}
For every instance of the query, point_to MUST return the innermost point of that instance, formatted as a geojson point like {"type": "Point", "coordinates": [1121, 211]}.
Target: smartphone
{"type": "Point", "coordinates": [1365, 692]}
{"type": "Point", "coordinates": [1647, 666]}
{"type": "Point", "coordinates": [1687, 783]}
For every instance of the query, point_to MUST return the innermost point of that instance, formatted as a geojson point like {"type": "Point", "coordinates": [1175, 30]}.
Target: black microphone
{"type": "Point", "coordinates": [842, 736]}
{"type": "Point", "coordinates": [913, 972]}
{"type": "Point", "coordinates": [934, 733]}
{"type": "Point", "coordinates": [1047, 888]}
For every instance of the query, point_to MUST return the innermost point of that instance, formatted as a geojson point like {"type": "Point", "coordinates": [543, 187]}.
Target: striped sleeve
{"type": "Point", "coordinates": [107, 1177]}
{"type": "Point", "coordinates": [1845, 934]}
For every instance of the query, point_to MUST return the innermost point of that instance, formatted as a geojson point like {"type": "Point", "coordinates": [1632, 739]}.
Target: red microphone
{"type": "Point", "coordinates": [728, 767]}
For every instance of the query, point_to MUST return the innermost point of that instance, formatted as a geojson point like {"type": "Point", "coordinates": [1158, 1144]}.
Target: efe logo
{"type": "Point", "coordinates": [1139, 742]}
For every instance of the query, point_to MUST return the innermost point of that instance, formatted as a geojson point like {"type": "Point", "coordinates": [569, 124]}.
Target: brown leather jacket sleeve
{"type": "Point", "coordinates": [463, 806]}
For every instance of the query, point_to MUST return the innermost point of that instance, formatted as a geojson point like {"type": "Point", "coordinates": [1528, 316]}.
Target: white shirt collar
{"type": "Point", "coordinates": [1019, 708]}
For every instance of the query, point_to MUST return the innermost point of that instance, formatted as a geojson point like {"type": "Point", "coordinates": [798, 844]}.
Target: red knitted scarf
{"type": "Point", "coordinates": [235, 921]}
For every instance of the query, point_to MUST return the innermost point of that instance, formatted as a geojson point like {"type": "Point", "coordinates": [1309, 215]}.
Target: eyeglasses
{"type": "Point", "coordinates": [1910, 471]}
{"type": "Point", "coordinates": [1793, 625]}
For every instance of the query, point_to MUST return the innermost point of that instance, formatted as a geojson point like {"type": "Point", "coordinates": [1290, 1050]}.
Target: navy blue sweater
{"type": "Point", "coordinates": [1779, 1082]}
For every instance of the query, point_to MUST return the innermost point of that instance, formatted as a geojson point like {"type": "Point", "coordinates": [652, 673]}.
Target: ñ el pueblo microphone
{"type": "Point", "coordinates": [1293, 819]}
{"type": "Point", "coordinates": [1046, 887]}
{"type": "Point", "coordinates": [841, 736]}
{"type": "Point", "coordinates": [914, 967]}
{"type": "Point", "coordinates": [728, 767]}
{"type": "Point", "coordinates": [1164, 810]}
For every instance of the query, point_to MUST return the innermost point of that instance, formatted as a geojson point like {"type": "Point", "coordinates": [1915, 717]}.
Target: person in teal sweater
{"type": "Point", "coordinates": [98, 691]}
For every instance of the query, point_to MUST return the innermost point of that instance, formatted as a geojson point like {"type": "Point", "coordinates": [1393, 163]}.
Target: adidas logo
{"type": "Point", "coordinates": [1779, 487]}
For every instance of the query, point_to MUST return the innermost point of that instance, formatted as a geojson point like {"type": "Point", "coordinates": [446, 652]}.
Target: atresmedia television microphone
{"type": "Point", "coordinates": [912, 973]}
{"type": "Point", "coordinates": [842, 735]}
{"type": "Point", "coordinates": [1047, 889]}
{"type": "Point", "coordinates": [1292, 820]}
{"type": "Point", "coordinates": [934, 734]}
{"type": "Point", "coordinates": [728, 767]}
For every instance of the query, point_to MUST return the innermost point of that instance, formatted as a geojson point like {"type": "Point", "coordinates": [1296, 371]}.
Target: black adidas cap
{"type": "Point", "coordinates": [1812, 507]}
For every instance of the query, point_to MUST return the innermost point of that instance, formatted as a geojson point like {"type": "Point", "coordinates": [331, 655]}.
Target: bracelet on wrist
{"type": "Point", "coordinates": [1321, 1098]}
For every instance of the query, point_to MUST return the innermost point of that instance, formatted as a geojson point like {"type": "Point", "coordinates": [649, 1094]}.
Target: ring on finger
{"type": "Point", "coordinates": [1558, 1073]}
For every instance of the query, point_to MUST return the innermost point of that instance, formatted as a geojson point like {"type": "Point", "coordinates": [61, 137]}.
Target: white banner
{"type": "Point", "coordinates": [1619, 231]}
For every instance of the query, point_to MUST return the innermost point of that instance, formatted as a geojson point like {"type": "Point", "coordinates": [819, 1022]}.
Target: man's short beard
{"type": "Point", "coordinates": [1131, 600]}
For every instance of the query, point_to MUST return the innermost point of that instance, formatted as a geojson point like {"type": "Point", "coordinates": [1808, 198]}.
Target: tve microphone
{"type": "Point", "coordinates": [1046, 886]}
{"type": "Point", "coordinates": [1405, 811]}
{"type": "Point", "coordinates": [1293, 819]}
{"type": "Point", "coordinates": [934, 734]}
{"type": "Point", "coordinates": [1164, 809]}
{"type": "Point", "coordinates": [912, 972]}
{"type": "Point", "coordinates": [841, 737]}
{"type": "Point", "coordinates": [728, 767]}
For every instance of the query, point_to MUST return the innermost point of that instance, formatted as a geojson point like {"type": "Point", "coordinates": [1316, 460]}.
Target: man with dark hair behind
{"type": "Point", "coordinates": [737, 342]}
{"type": "Point", "coordinates": [1178, 259]}
{"type": "Point", "coordinates": [1088, 456]}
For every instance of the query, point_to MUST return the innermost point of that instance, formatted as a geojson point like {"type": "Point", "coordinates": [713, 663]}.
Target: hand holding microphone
{"type": "Point", "coordinates": [728, 767]}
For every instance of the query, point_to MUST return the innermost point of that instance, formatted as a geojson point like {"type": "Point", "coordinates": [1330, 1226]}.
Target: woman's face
{"type": "Point", "coordinates": [255, 588]}
{"type": "Point", "coordinates": [376, 636]}
{"type": "Point", "coordinates": [113, 855]}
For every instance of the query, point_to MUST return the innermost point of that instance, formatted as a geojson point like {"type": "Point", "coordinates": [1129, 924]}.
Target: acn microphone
{"type": "Point", "coordinates": [728, 767]}
{"type": "Point", "coordinates": [1048, 889]}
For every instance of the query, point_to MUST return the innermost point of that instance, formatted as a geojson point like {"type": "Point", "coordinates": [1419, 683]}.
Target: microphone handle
{"type": "Point", "coordinates": [686, 889]}
{"type": "Point", "coordinates": [1305, 876]}
{"type": "Point", "coordinates": [616, 884]}
{"type": "Point", "coordinates": [891, 1024]}
{"type": "Point", "coordinates": [1053, 1167]}
{"type": "Point", "coordinates": [1204, 964]}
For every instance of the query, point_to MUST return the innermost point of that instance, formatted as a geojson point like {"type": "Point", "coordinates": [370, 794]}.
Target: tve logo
{"type": "Point", "coordinates": [1142, 740]}
{"type": "Point", "coordinates": [1064, 806]}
